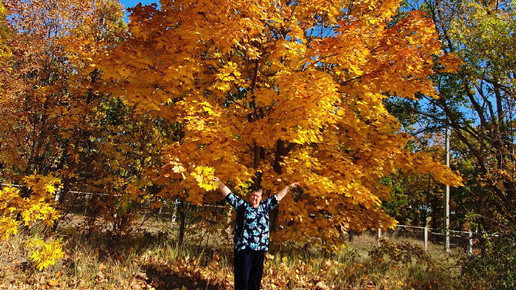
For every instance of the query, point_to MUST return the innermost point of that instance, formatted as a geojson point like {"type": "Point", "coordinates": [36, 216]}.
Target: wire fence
{"type": "Point", "coordinates": [78, 201]}
{"type": "Point", "coordinates": [431, 236]}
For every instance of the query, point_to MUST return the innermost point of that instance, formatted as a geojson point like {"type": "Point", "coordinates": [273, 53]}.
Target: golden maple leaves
{"type": "Point", "coordinates": [287, 91]}
{"type": "Point", "coordinates": [245, 76]}
{"type": "Point", "coordinates": [49, 98]}
{"type": "Point", "coordinates": [281, 90]}
{"type": "Point", "coordinates": [31, 211]}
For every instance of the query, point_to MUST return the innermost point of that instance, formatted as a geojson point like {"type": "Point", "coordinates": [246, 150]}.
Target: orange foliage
{"type": "Point", "coordinates": [273, 92]}
{"type": "Point", "coordinates": [267, 92]}
{"type": "Point", "coordinates": [46, 106]}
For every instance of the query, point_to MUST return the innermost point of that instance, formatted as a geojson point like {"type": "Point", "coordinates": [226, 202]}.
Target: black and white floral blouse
{"type": "Point", "coordinates": [255, 233]}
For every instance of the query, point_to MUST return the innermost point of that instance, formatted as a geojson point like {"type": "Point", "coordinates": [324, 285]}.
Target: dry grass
{"type": "Point", "coordinates": [151, 259]}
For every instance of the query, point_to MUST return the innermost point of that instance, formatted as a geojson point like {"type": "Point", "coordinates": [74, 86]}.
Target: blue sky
{"type": "Point", "coordinates": [132, 3]}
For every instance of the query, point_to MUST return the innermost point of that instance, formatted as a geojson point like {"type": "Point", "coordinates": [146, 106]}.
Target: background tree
{"type": "Point", "coordinates": [268, 92]}
{"type": "Point", "coordinates": [57, 119]}
{"type": "Point", "coordinates": [5, 50]}
{"type": "Point", "coordinates": [417, 198]}
{"type": "Point", "coordinates": [477, 102]}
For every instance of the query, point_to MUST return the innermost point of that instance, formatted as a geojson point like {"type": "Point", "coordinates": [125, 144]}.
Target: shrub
{"type": "Point", "coordinates": [494, 267]}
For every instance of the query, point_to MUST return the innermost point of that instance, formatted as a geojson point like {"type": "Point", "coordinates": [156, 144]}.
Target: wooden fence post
{"type": "Point", "coordinates": [470, 243]}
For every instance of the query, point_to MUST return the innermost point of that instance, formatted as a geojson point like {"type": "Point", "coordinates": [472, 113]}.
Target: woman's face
{"type": "Point", "coordinates": [255, 198]}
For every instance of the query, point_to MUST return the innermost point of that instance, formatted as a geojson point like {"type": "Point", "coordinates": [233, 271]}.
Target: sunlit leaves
{"type": "Point", "coordinates": [477, 102]}
{"type": "Point", "coordinates": [34, 211]}
{"type": "Point", "coordinates": [45, 254]}
{"type": "Point", "coordinates": [203, 176]}
{"type": "Point", "coordinates": [5, 50]}
{"type": "Point", "coordinates": [8, 227]}
{"type": "Point", "coordinates": [56, 119]}
{"type": "Point", "coordinates": [484, 37]}
{"type": "Point", "coordinates": [275, 92]}
{"type": "Point", "coordinates": [39, 208]}
{"type": "Point", "coordinates": [9, 207]}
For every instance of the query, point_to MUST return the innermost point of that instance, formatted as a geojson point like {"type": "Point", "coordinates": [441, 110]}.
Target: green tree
{"type": "Point", "coordinates": [417, 198]}
{"type": "Point", "coordinates": [477, 102]}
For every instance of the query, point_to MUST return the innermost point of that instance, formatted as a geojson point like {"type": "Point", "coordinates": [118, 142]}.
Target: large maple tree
{"type": "Point", "coordinates": [270, 92]}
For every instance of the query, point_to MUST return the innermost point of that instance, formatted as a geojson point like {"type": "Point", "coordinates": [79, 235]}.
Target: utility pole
{"type": "Point", "coordinates": [447, 194]}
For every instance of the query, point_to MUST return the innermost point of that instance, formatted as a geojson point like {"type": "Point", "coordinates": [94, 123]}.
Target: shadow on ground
{"type": "Point", "coordinates": [170, 281]}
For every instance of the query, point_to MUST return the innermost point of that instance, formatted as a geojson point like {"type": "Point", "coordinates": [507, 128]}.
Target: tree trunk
{"type": "Point", "coordinates": [182, 220]}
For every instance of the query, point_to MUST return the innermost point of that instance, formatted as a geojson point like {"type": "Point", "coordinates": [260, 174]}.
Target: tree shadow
{"type": "Point", "coordinates": [166, 280]}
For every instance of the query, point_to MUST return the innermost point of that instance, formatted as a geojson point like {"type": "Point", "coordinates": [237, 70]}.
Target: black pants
{"type": "Point", "coordinates": [248, 269]}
